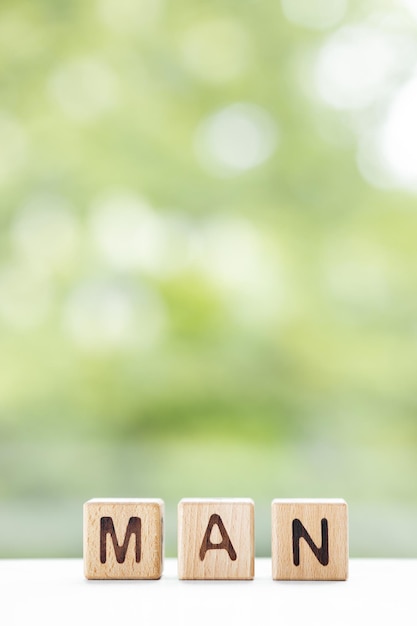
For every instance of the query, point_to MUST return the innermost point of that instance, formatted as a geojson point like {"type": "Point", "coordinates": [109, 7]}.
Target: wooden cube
{"type": "Point", "coordinates": [123, 538]}
{"type": "Point", "coordinates": [216, 539]}
{"type": "Point", "coordinates": [309, 540]}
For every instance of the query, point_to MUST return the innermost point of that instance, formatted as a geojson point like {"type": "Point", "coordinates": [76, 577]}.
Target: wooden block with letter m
{"type": "Point", "coordinates": [123, 538]}
{"type": "Point", "coordinates": [216, 539]}
{"type": "Point", "coordinates": [309, 539]}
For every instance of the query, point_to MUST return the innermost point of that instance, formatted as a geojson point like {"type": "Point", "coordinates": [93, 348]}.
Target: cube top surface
{"type": "Point", "coordinates": [308, 501]}
{"type": "Point", "coordinates": [216, 501]}
{"type": "Point", "coordinates": [125, 501]}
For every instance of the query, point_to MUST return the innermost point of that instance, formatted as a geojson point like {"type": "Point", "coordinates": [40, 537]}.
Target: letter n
{"type": "Point", "coordinates": [299, 532]}
{"type": "Point", "coordinates": [107, 528]}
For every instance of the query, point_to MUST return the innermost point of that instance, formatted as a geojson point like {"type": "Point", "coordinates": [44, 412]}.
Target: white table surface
{"type": "Point", "coordinates": [54, 592]}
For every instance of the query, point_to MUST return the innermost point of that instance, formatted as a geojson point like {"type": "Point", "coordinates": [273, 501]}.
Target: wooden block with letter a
{"type": "Point", "coordinates": [216, 539]}
{"type": "Point", "coordinates": [309, 539]}
{"type": "Point", "coordinates": [123, 538]}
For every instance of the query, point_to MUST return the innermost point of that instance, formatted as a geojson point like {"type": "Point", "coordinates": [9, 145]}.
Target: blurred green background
{"type": "Point", "coordinates": [208, 261]}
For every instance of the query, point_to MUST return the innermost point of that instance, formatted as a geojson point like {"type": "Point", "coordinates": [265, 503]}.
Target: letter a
{"type": "Point", "coordinates": [225, 543]}
{"type": "Point", "coordinates": [107, 527]}
{"type": "Point", "coordinates": [298, 532]}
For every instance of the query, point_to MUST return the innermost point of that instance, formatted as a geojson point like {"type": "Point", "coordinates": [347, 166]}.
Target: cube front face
{"type": "Point", "coordinates": [309, 540]}
{"type": "Point", "coordinates": [123, 539]}
{"type": "Point", "coordinates": [216, 539]}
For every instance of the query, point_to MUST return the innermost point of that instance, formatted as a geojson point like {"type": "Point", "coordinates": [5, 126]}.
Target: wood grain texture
{"type": "Point", "coordinates": [312, 532]}
{"type": "Point", "coordinates": [123, 538]}
{"type": "Point", "coordinates": [216, 539]}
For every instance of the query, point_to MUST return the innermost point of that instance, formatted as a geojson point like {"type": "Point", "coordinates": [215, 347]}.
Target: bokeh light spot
{"type": "Point", "coordinates": [128, 234]}
{"type": "Point", "coordinates": [126, 231]}
{"type": "Point", "coordinates": [84, 88]}
{"type": "Point", "coordinates": [398, 141]}
{"type": "Point", "coordinates": [232, 255]}
{"type": "Point", "coordinates": [103, 314]}
{"type": "Point", "coordinates": [236, 139]}
{"type": "Point", "coordinates": [359, 64]}
{"type": "Point", "coordinates": [411, 6]}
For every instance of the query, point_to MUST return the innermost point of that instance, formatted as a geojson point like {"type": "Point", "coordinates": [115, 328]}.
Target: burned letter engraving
{"type": "Point", "coordinates": [133, 528]}
{"type": "Point", "coordinates": [299, 532]}
{"type": "Point", "coordinates": [225, 543]}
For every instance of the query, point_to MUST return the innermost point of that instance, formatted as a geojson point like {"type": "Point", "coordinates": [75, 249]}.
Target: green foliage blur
{"type": "Point", "coordinates": [207, 278]}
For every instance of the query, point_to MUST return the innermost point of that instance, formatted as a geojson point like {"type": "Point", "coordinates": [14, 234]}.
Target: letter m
{"type": "Point", "coordinates": [107, 528]}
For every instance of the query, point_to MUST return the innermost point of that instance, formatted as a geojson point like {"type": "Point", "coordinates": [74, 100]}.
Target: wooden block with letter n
{"type": "Point", "coordinates": [216, 539]}
{"type": "Point", "coordinates": [123, 538]}
{"type": "Point", "coordinates": [309, 539]}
